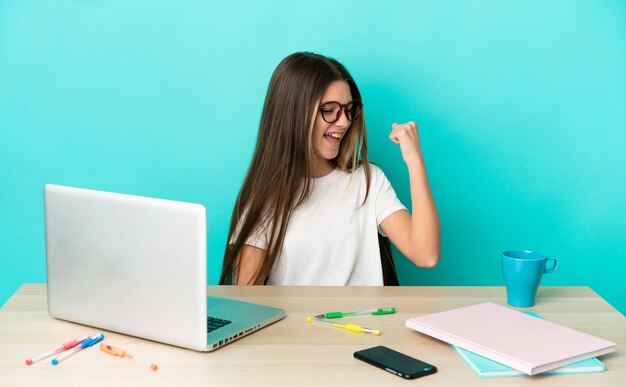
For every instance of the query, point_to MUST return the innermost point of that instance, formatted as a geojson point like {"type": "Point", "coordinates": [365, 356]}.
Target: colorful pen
{"type": "Point", "coordinates": [121, 353]}
{"type": "Point", "coordinates": [349, 327]}
{"type": "Point", "coordinates": [85, 344]}
{"type": "Point", "coordinates": [63, 347]}
{"type": "Point", "coordinates": [375, 312]}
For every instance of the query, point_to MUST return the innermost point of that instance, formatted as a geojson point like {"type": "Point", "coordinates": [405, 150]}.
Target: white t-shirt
{"type": "Point", "coordinates": [332, 238]}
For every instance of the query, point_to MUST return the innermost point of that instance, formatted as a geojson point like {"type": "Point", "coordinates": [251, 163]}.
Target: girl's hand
{"type": "Point", "coordinates": [407, 137]}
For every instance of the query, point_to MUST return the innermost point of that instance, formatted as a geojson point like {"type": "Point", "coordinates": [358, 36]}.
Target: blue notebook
{"type": "Point", "coordinates": [487, 368]}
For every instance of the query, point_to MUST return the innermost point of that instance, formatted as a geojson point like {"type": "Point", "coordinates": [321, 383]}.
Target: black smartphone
{"type": "Point", "coordinates": [395, 362]}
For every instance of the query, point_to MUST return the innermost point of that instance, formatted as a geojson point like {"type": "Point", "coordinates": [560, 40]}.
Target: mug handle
{"type": "Point", "coordinates": [555, 265]}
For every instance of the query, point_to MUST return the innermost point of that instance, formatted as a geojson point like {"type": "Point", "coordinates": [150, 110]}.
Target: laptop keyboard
{"type": "Point", "coordinates": [214, 323]}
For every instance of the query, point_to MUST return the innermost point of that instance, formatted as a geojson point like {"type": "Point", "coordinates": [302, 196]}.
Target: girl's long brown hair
{"type": "Point", "coordinates": [277, 180]}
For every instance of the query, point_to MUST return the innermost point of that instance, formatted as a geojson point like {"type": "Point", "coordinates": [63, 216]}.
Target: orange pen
{"type": "Point", "coordinates": [121, 353]}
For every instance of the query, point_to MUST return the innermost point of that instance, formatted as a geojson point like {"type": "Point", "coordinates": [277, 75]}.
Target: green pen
{"type": "Point", "coordinates": [374, 311]}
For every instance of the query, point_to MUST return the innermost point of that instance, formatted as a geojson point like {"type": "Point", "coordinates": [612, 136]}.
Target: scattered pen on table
{"type": "Point", "coordinates": [63, 347]}
{"type": "Point", "coordinates": [374, 311]}
{"type": "Point", "coordinates": [90, 341]}
{"type": "Point", "coordinates": [121, 353]}
{"type": "Point", "coordinates": [349, 327]}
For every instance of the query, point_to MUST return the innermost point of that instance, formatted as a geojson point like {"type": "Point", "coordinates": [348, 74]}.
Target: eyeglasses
{"type": "Point", "coordinates": [331, 110]}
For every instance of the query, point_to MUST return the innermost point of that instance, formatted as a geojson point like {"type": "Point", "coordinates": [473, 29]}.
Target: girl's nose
{"type": "Point", "coordinates": [343, 121]}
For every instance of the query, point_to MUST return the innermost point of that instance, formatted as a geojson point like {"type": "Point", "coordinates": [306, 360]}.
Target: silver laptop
{"type": "Point", "coordinates": [137, 266]}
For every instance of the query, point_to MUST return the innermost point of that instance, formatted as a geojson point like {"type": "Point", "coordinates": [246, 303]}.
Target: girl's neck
{"type": "Point", "coordinates": [322, 168]}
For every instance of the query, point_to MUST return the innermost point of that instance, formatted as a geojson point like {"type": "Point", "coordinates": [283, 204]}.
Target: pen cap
{"type": "Point", "coordinates": [87, 342]}
{"type": "Point", "coordinates": [382, 311]}
{"type": "Point", "coordinates": [112, 350]}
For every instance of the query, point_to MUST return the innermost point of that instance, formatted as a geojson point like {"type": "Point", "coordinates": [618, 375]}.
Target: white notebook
{"type": "Point", "coordinates": [525, 343]}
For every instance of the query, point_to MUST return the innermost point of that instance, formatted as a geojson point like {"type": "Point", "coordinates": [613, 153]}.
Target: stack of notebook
{"type": "Point", "coordinates": [486, 368]}
{"type": "Point", "coordinates": [524, 343]}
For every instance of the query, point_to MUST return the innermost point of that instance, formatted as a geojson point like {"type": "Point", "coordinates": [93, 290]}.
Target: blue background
{"type": "Point", "coordinates": [521, 107]}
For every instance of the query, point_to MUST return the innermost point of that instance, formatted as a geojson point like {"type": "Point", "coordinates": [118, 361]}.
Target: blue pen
{"type": "Point", "coordinates": [85, 344]}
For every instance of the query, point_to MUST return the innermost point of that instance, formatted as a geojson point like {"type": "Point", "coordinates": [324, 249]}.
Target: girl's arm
{"type": "Point", "coordinates": [249, 262]}
{"type": "Point", "coordinates": [416, 235]}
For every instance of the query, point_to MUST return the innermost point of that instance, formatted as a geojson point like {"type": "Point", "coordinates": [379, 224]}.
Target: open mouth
{"type": "Point", "coordinates": [333, 138]}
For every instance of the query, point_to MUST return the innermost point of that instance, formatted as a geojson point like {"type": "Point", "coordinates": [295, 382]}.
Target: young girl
{"type": "Point", "coordinates": [312, 206]}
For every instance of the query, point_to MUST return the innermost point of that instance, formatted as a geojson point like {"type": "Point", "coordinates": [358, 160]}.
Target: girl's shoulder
{"type": "Point", "coordinates": [376, 174]}
{"type": "Point", "coordinates": [374, 171]}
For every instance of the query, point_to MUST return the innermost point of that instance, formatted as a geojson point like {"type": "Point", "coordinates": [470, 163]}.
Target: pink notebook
{"type": "Point", "coordinates": [515, 339]}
